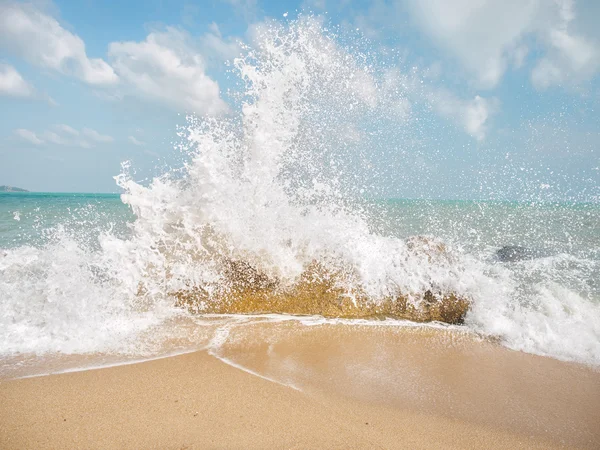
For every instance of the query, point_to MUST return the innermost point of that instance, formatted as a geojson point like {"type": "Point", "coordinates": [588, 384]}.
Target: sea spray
{"type": "Point", "coordinates": [277, 188]}
{"type": "Point", "coordinates": [277, 196]}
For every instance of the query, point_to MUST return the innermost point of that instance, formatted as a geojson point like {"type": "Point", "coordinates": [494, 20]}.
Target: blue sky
{"type": "Point", "coordinates": [509, 91]}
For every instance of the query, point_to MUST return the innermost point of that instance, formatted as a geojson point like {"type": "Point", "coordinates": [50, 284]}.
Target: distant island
{"type": "Point", "coordinates": [12, 189]}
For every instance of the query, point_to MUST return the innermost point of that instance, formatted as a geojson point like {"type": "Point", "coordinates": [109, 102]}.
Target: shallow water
{"type": "Point", "coordinates": [39, 318]}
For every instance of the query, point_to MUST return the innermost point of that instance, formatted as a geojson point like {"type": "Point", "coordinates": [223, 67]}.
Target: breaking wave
{"type": "Point", "coordinates": [268, 214]}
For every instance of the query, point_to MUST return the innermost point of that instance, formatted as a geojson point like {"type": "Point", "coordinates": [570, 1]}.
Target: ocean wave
{"type": "Point", "coordinates": [268, 215]}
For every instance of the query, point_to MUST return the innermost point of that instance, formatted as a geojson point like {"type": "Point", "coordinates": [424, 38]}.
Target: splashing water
{"type": "Point", "coordinates": [268, 215]}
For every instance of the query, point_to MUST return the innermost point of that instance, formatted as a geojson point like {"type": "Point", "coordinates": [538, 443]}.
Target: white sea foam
{"type": "Point", "coordinates": [278, 185]}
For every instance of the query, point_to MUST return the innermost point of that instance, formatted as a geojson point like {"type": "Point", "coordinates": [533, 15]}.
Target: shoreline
{"type": "Point", "coordinates": [358, 387]}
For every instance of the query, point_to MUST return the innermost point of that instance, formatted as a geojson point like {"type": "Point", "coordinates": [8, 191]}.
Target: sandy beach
{"type": "Point", "coordinates": [310, 224]}
{"type": "Point", "coordinates": [446, 390]}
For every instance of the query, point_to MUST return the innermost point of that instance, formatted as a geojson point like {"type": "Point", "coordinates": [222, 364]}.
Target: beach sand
{"type": "Point", "coordinates": [425, 389]}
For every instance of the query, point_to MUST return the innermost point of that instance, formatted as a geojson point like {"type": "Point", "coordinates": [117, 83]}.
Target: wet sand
{"type": "Point", "coordinates": [359, 387]}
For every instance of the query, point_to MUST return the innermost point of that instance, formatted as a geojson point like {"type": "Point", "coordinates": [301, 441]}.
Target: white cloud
{"type": "Point", "coordinates": [95, 136]}
{"type": "Point", "coordinates": [471, 115]}
{"type": "Point", "coordinates": [39, 38]}
{"type": "Point", "coordinates": [481, 34]}
{"type": "Point", "coordinates": [485, 36]}
{"type": "Point", "coordinates": [571, 58]}
{"type": "Point", "coordinates": [28, 136]}
{"type": "Point", "coordinates": [54, 138]}
{"type": "Point", "coordinates": [67, 129]}
{"type": "Point", "coordinates": [167, 68]}
{"type": "Point", "coordinates": [12, 83]}
{"type": "Point", "coordinates": [64, 135]}
{"type": "Point", "coordinates": [476, 115]}
{"type": "Point", "coordinates": [72, 137]}
{"type": "Point", "coordinates": [135, 141]}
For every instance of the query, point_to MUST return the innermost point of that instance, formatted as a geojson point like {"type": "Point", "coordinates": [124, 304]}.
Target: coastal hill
{"type": "Point", "coordinates": [12, 189]}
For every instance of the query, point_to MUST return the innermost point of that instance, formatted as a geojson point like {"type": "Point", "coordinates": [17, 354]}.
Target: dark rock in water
{"type": "Point", "coordinates": [512, 253]}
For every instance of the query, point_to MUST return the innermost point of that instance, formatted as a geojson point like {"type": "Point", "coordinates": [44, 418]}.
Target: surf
{"type": "Point", "coordinates": [270, 213]}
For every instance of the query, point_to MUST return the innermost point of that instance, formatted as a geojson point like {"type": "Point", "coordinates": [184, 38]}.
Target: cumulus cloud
{"type": "Point", "coordinates": [28, 136]}
{"type": "Point", "coordinates": [476, 114]}
{"type": "Point", "coordinates": [571, 57]}
{"type": "Point", "coordinates": [37, 37]}
{"type": "Point", "coordinates": [481, 34]}
{"type": "Point", "coordinates": [51, 136]}
{"type": "Point", "coordinates": [67, 129]}
{"type": "Point", "coordinates": [12, 83]}
{"type": "Point", "coordinates": [64, 135]}
{"type": "Point", "coordinates": [95, 136]}
{"type": "Point", "coordinates": [166, 67]}
{"type": "Point", "coordinates": [471, 114]}
{"type": "Point", "coordinates": [486, 36]}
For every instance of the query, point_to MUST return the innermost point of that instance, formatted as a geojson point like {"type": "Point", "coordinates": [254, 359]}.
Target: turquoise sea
{"type": "Point", "coordinates": [70, 265]}
{"type": "Point", "coordinates": [31, 218]}
{"type": "Point", "coordinates": [34, 218]}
